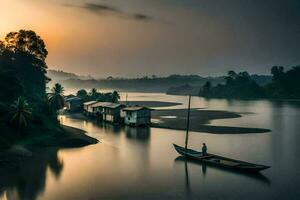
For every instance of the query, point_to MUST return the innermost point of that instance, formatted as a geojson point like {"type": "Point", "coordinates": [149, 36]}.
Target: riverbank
{"type": "Point", "coordinates": [65, 137]}
{"type": "Point", "coordinates": [199, 120]}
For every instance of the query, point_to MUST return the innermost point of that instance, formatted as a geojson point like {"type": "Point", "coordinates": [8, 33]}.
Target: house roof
{"type": "Point", "coordinates": [136, 108]}
{"type": "Point", "coordinates": [89, 103]}
{"type": "Point", "coordinates": [107, 105]}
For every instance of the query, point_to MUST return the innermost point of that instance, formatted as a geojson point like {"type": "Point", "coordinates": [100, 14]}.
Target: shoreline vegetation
{"type": "Point", "coordinates": [28, 114]}
{"type": "Point", "coordinates": [284, 84]}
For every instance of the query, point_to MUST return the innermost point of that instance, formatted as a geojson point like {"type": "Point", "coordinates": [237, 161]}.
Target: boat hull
{"type": "Point", "coordinates": [220, 161]}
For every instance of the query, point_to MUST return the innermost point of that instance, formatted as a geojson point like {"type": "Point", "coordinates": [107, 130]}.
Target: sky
{"type": "Point", "coordinates": [134, 38]}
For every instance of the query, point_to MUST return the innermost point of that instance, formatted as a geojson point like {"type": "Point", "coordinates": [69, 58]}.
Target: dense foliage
{"type": "Point", "coordinates": [22, 66]}
{"type": "Point", "coordinates": [23, 99]}
{"type": "Point", "coordinates": [285, 84]}
{"type": "Point", "coordinates": [241, 85]}
{"type": "Point", "coordinates": [94, 95]}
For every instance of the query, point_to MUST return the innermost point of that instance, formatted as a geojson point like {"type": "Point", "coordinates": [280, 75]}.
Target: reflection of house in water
{"type": "Point", "coordinates": [109, 127]}
{"type": "Point", "coordinates": [137, 115]}
{"type": "Point", "coordinates": [140, 133]}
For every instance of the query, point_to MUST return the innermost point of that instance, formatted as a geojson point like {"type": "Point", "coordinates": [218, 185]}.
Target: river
{"type": "Point", "coordinates": [140, 163]}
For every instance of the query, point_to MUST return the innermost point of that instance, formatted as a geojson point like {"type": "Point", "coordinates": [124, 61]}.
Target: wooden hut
{"type": "Point", "coordinates": [107, 111]}
{"type": "Point", "coordinates": [87, 107]}
{"type": "Point", "coordinates": [137, 116]}
{"type": "Point", "coordinates": [73, 104]}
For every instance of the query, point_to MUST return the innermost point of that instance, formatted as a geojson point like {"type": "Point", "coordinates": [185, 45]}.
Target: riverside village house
{"type": "Point", "coordinates": [87, 107]}
{"type": "Point", "coordinates": [137, 116]}
{"type": "Point", "coordinates": [73, 104]}
{"type": "Point", "coordinates": [104, 111]}
{"type": "Point", "coordinates": [115, 113]}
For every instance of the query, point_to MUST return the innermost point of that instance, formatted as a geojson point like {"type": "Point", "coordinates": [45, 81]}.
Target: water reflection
{"type": "Point", "coordinates": [139, 133]}
{"type": "Point", "coordinates": [256, 176]}
{"type": "Point", "coordinates": [187, 178]}
{"type": "Point", "coordinates": [27, 179]}
{"type": "Point", "coordinates": [138, 163]}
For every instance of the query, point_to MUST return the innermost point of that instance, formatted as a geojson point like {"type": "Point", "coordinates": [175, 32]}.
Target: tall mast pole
{"type": "Point", "coordinates": [188, 124]}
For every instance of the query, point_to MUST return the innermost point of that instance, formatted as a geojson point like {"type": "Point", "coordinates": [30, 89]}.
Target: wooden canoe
{"type": "Point", "coordinates": [220, 161]}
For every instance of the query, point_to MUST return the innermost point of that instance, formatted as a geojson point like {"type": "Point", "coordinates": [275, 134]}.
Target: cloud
{"type": "Point", "coordinates": [139, 16]}
{"type": "Point", "coordinates": [98, 8]}
{"type": "Point", "coordinates": [110, 10]}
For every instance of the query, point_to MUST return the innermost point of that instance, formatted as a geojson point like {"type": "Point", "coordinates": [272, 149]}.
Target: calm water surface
{"type": "Point", "coordinates": [141, 163]}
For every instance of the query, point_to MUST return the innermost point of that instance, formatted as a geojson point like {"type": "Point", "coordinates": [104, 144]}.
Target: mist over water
{"type": "Point", "coordinates": [141, 163]}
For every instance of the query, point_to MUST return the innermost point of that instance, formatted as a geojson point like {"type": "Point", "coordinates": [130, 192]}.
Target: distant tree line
{"type": "Point", "coordinates": [144, 84]}
{"type": "Point", "coordinates": [94, 95]}
{"type": "Point", "coordinates": [284, 84]}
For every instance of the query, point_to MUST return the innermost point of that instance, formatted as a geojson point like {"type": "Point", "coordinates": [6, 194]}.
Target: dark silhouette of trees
{"type": "Point", "coordinates": [23, 73]}
{"type": "Point", "coordinates": [56, 97]}
{"type": "Point", "coordinates": [205, 89]}
{"type": "Point", "coordinates": [27, 178]}
{"type": "Point", "coordinates": [82, 94]}
{"type": "Point", "coordinates": [284, 84]}
{"type": "Point", "coordinates": [22, 57]}
{"type": "Point", "coordinates": [237, 85]}
{"type": "Point", "coordinates": [94, 95]}
{"type": "Point", "coordinates": [26, 41]}
{"type": "Point", "coordinates": [20, 113]}
{"type": "Point", "coordinates": [115, 97]}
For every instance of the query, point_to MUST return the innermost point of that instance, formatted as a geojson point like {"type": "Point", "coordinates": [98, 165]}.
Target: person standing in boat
{"type": "Point", "coordinates": [204, 149]}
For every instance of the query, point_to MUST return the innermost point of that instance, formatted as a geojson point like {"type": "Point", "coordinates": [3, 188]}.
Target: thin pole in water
{"type": "Point", "coordinates": [188, 124]}
{"type": "Point", "coordinates": [126, 98]}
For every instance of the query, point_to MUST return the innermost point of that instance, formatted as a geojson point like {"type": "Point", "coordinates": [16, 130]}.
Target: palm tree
{"type": "Point", "coordinates": [56, 98]}
{"type": "Point", "coordinates": [21, 112]}
{"type": "Point", "coordinates": [115, 97]}
{"type": "Point", "coordinates": [94, 93]}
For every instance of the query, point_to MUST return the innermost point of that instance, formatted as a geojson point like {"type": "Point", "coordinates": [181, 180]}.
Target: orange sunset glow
{"type": "Point", "coordinates": [171, 35]}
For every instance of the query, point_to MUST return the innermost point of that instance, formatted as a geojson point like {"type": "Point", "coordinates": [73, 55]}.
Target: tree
{"type": "Point", "coordinates": [204, 91]}
{"type": "Point", "coordinates": [82, 94]}
{"type": "Point", "coordinates": [94, 94]}
{"type": "Point", "coordinates": [23, 55]}
{"type": "Point", "coordinates": [231, 75]}
{"type": "Point", "coordinates": [285, 84]}
{"type": "Point", "coordinates": [207, 85]}
{"type": "Point", "coordinates": [20, 112]}
{"type": "Point", "coordinates": [56, 98]}
{"type": "Point", "coordinates": [244, 75]}
{"type": "Point", "coordinates": [26, 41]}
{"type": "Point", "coordinates": [115, 97]}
